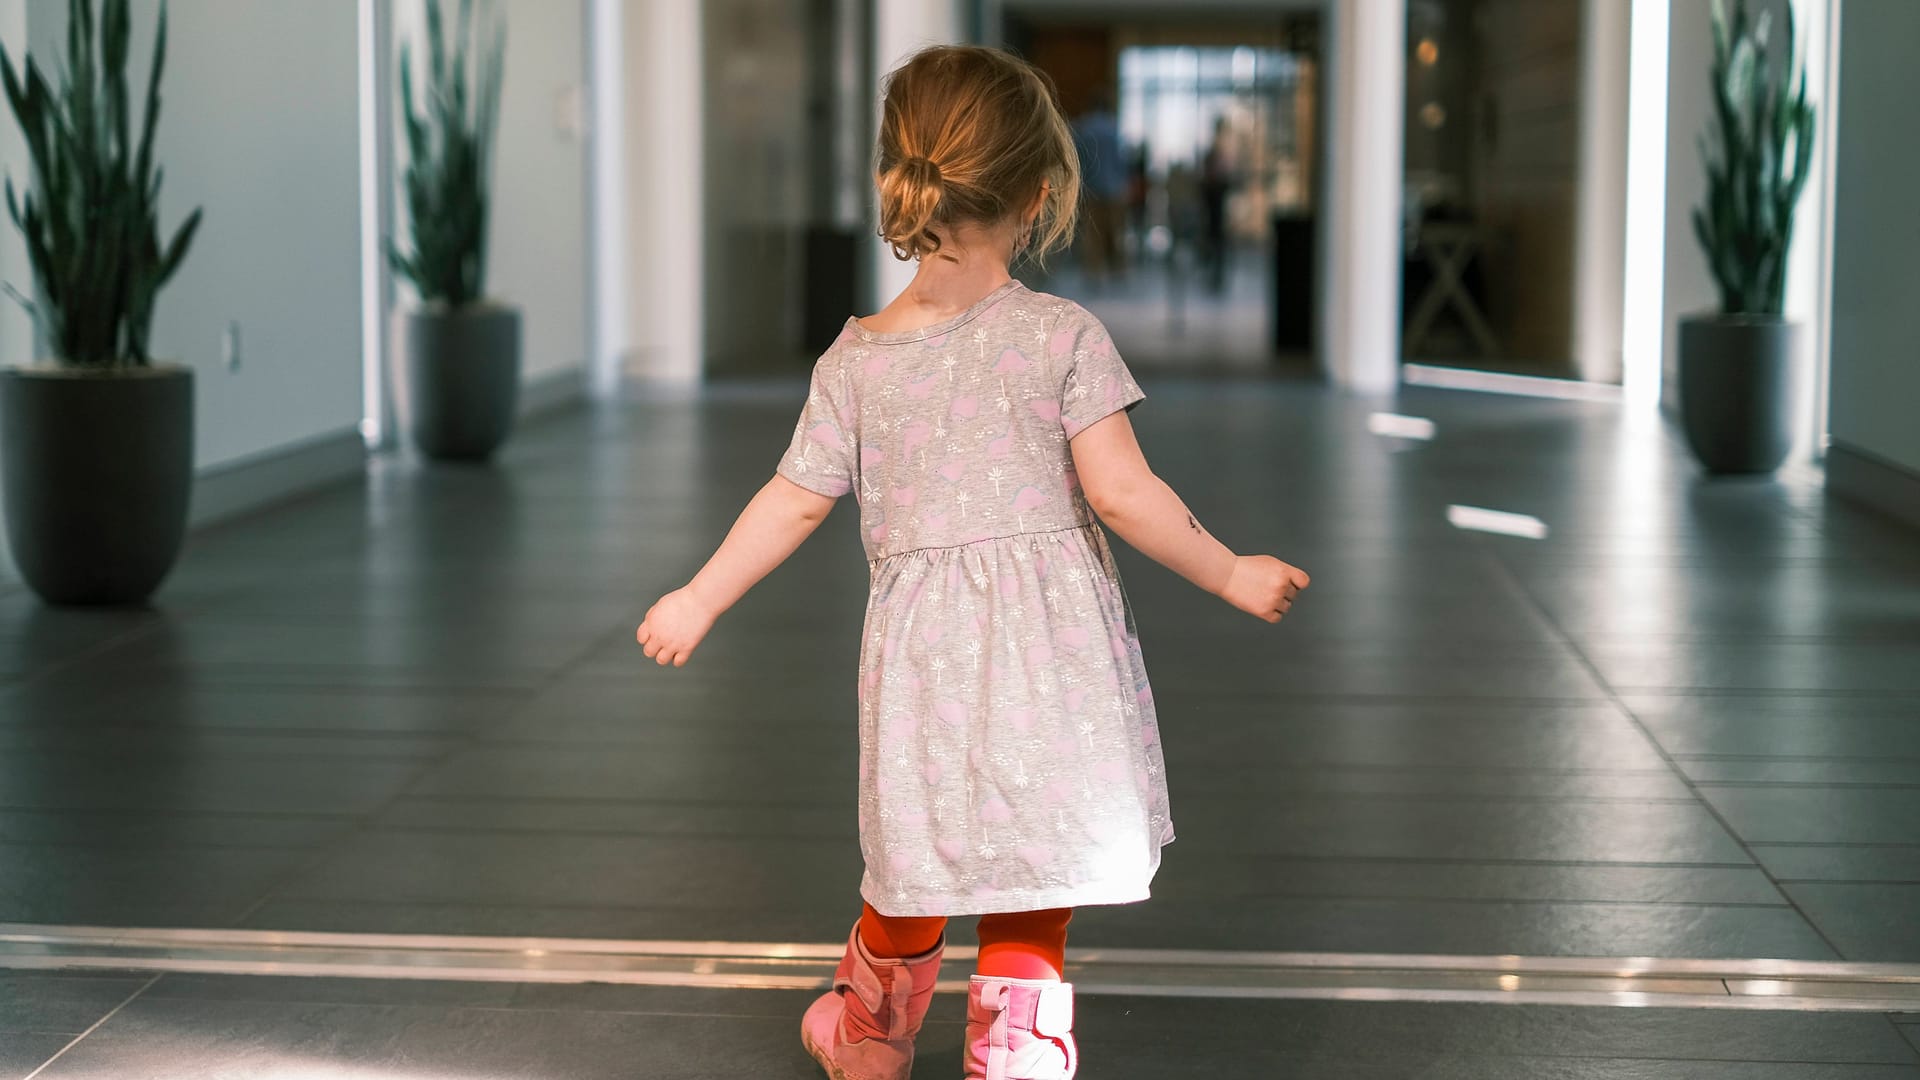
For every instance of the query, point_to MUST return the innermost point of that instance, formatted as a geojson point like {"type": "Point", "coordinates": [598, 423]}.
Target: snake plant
{"type": "Point", "coordinates": [1757, 165]}
{"type": "Point", "coordinates": [91, 213]}
{"type": "Point", "coordinates": [449, 156]}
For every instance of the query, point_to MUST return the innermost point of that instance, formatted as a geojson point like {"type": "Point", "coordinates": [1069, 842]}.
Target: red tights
{"type": "Point", "coordinates": [1013, 945]}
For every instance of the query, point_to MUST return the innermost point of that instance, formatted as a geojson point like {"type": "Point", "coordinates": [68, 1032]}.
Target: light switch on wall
{"type": "Point", "coordinates": [230, 346]}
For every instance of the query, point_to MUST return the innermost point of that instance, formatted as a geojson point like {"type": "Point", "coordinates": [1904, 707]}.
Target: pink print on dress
{"type": "Point", "coordinates": [1039, 654]}
{"type": "Point", "coordinates": [1022, 718]}
{"type": "Point", "coordinates": [932, 772]}
{"type": "Point", "coordinates": [932, 633]}
{"type": "Point", "coordinates": [877, 364]}
{"type": "Point", "coordinates": [1011, 363]}
{"type": "Point", "coordinates": [871, 456]}
{"type": "Point", "coordinates": [1046, 409]}
{"type": "Point", "coordinates": [1076, 699]}
{"type": "Point", "coordinates": [953, 470]}
{"type": "Point", "coordinates": [1071, 426]}
{"type": "Point", "coordinates": [935, 522]}
{"type": "Point", "coordinates": [879, 533]}
{"type": "Point", "coordinates": [1028, 498]}
{"type": "Point", "coordinates": [905, 496]}
{"type": "Point", "coordinates": [920, 389]}
{"type": "Point", "coordinates": [914, 436]}
{"type": "Point", "coordinates": [826, 436]}
{"type": "Point", "coordinates": [902, 727]}
{"type": "Point", "coordinates": [1071, 639]}
{"type": "Point", "coordinates": [950, 850]}
{"type": "Point", "coordinates": [966, 408]}
{"type": "Point", "coordinates": [951, 713]}
{"type": "Point", "coordinates": [936, 342]}
{"type": "Point", "coordinates": [1061, 343]}
{"type": "Point", "coordinates": [1001, 446]}
{"type": "Point", "coordinates": [995, 811]}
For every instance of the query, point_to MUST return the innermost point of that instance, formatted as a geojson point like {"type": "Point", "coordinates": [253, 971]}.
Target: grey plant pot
{"type": "Point", "coordinates": [98, 473]}
{"type": "Point", "coordinates": [459, 378]}
{"type": "Point", "coordinates": [1736, 390]}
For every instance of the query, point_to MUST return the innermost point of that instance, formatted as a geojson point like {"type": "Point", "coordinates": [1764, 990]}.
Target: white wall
{"type": "Point", "coordinates": [659, 147]}
{"type": "Point", "coordinates": [537, 254]}
{"type": "Point", "coordinates": [538, 258]}
{"type": "Point", "coordinates": [1876, 317]}
{"type": "Point", "coordinates": [257, 126]}
{"type": "Point", "coordinates": [1689, 287]}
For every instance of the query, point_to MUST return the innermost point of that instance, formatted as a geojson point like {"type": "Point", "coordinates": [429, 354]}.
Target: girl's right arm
{"type": "Point", "coordinates": [773, 525]}
{"type": "Point", "coordinates": [1146, 513]}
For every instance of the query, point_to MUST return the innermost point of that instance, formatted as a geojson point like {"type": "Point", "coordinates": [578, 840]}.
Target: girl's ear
{"type": "Point", "coordinates": [1039, 200]}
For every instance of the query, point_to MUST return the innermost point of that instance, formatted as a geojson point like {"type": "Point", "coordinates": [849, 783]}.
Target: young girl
{"type": "Point", "coordinates": [1009, 762]}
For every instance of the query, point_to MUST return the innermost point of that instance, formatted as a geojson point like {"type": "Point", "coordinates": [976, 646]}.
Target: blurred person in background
{"type": "Point", "coordinates": [1104, 181]}
{"type": "Point", "coordinates": [1217, 180]}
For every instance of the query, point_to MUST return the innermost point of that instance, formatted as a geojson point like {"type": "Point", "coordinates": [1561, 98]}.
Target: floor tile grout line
{"type": "Point", "coordinates": [95, 1026]}
{"type": "Point", "coordinates": [364, 825]}
{"type": "Point", "coordinates": [1514, 583]}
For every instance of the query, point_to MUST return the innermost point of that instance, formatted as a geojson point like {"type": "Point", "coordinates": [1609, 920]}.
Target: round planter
{"type": "Point", "coordinates": [459, 378]}
{"type": "Point", "coordinates": [1736, 390]}
{"type": "Point", "coordinates": [98, 471]}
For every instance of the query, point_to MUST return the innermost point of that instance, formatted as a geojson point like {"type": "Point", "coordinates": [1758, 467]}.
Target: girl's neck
{"type": "Point", "coordinates": [945, 285]}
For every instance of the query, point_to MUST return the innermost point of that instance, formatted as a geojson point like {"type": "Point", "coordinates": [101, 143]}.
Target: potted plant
{"type": "Point", "coordinates": [98, 446]}
{"type": "Point", "coordinates": [459, 352]}
{"type": "Point", "coordinates": [1736, 365]}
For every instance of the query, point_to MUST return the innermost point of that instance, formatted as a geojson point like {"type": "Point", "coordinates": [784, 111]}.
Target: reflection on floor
{"type": "Point", "coordinates": [1685, 723]}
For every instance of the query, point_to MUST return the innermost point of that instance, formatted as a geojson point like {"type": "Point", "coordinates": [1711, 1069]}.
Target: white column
{"type": "Point", "coordinates": [1643, 334]}
{"type": "Point", "coordinates": [609, 336]}
{"type": "Point", "coordinates": [662, 108]}
{"type": "Point", "coordinates": [1601, 228]}
{"type": "Point", "coordinates": [1809, 299]}
{"type": "Point", "coordinates": [1362, 243]}
{"type": "Point", "coordinates": [900, 28]}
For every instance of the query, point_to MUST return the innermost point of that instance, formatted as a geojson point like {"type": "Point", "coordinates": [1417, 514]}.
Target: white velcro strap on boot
{"type": "Point", "coordinates": [1053, 1011]}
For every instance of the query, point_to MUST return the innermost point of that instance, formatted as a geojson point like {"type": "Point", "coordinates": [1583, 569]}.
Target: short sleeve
{"type": "Point", "coordinates": [1098, 383]}
{"type": "Point", "coordinates": [822, 455]}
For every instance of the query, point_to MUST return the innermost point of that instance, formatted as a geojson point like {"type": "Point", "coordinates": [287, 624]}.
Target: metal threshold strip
{"type": "Point", "coordinates": [1655, 982]}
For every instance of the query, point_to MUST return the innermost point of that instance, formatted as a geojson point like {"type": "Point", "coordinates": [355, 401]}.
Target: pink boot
{"type": "Point", "coordinates": [863, 1028]}
{"type": "Point", "coordinates": [1020, 1029]}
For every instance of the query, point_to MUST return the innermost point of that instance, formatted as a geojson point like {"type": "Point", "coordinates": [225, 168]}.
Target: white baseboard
{"type": "Point", "coordinates": [238, 487]}
{"type": "Point", "coordinates": [1874, 482]}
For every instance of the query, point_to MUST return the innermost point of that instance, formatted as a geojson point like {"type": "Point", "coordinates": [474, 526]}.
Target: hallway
{"type": "Point", "coordinates": [1682, 725]}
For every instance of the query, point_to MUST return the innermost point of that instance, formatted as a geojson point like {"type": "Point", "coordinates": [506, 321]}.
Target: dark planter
{"type": "Point", "coordinates": [98, 472]}
{"type": "Point", "coordinates": [459, 378]}
{"type": "Point", "coordinates": [1736, 390]}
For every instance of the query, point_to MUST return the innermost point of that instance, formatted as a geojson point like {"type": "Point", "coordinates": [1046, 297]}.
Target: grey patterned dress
{"type": "Point", "coordinates": [1009, 759]}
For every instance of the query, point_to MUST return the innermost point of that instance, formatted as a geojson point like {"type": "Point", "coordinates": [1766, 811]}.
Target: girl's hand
{"type": "Point", "coordinates": [1263, 586]}
{"type": "Point", "coordinates": [674, 627]}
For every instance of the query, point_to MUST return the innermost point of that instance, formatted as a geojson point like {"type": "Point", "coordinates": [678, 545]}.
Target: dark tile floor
{"type": "Point", "coordinates": [1687, 723]}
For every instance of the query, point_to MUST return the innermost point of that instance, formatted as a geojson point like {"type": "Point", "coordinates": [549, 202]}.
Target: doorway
{"type": "Point", "coordinates": [1196, 244]}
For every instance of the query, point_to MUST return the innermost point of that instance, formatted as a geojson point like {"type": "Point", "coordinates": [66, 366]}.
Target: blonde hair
{"type": "Point", "coordinates": [969, 135]}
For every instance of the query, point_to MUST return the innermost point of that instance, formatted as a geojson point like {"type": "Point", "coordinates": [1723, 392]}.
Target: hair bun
{"type": "Point", "coordinates": [920, 170]}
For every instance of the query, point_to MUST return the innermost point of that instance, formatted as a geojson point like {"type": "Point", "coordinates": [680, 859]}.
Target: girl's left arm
{"type": "Point", "coordinates": [772, 527]}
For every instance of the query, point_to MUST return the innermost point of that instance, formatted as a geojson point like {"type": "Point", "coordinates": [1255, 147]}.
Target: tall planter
{"type": "Point", "coordinates": [1736, 391]}
{"type": "Point", "coordinates": [98, 447]}
{"type": "Point", "coordinates": [459, 378]}
{"type": "Point", "coordinates": [98, 472]}
{"type": "Point", "coordinates": [1736, 368]}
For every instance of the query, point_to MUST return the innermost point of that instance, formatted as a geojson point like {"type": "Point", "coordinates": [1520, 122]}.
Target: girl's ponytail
{"type": "Point", "coordinates": [910, 196]}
